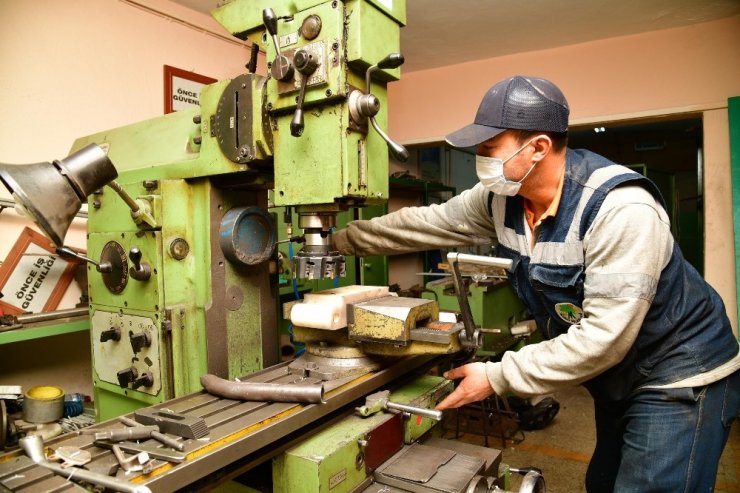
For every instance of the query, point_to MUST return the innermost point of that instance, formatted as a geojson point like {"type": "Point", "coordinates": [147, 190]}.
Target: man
{"type": "Point", "coordinates": [594, 261]}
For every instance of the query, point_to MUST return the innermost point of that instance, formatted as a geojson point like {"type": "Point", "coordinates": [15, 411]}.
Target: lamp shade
{"type": "Point", "coordinates": [52, 193]}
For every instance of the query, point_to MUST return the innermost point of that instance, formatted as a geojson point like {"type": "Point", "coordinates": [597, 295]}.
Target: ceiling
{"type": "Point", "coordinates": [446, 32]}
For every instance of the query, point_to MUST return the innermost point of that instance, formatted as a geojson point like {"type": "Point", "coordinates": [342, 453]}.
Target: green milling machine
{"type": "Point", "coordinates": [184, 278]}
{"type": "Point", "coordinates": [204, 179]}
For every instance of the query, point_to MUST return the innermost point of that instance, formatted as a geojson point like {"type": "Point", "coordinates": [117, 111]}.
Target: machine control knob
{"type": "Point", "coordinates": [145, 380]}
{"type": "Point", "coordinates": [306, 63]}
{"type": "Point", "coordinates": [139, 340]}
{"type": "Point", "coordinates": [141, 271]}
{"type": "Point", "coordinates": [112, 334]}
{"type": "Point", "coordinates": [126, 376]}
{"type": "Point", "coordinates": [281, 68]}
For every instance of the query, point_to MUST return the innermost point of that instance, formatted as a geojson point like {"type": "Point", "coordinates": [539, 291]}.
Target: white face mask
{"type": "Point", "coordinates": [490, 171]}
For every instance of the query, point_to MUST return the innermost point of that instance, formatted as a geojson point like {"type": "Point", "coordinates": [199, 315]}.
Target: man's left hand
{"type": "Point", "coordinates": [473, 387]}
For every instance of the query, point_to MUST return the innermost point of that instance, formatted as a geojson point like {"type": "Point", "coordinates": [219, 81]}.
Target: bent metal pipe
{"type": "Point", "coordinates": [263, 392]}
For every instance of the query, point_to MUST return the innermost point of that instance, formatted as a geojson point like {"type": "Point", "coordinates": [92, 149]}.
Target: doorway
{"type": "Point", "coordinates": [669, 152]}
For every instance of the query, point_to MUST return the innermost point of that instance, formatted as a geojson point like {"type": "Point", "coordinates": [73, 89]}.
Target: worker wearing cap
{"type": "Point", "coordinates": [595, 264]}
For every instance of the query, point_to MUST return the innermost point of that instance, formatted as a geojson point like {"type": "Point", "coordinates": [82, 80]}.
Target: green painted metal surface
{"type": "Point", "coordinates": [425, 391]}
{"type": "Point", "coordinates": [733, 108]}
{"type": "Point", "coordinates": [364, 47]}
{"type": "Point", "coordinates": [44, 330]}
{"type": "Point", "coordinates": [243, 18]}
{"type": "Point", "coordinates": [493, 306]}
{"type": "Point", "coordinates": [327, 461]}
{"type": "Point", "coordinates": [332, 460]}
{"type": "Point", "coordinates": [110, 401]}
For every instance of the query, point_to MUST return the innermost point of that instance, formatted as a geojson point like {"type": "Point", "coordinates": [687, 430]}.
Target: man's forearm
{"type": "Point", "coordinates": [463, 220]}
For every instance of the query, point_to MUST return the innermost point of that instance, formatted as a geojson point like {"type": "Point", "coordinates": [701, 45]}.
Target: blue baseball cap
{"type": "Point", "coordinates": [519, 102]}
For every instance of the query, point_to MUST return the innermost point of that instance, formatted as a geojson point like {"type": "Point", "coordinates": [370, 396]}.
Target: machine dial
{"type": "Point", "coordinates": [115, 259]}
{"type": "Point", "coordinates": [234, 119]}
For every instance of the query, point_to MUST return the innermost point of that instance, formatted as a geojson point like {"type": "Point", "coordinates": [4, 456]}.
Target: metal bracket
{"type": "Point", "coordinates": [472, 333]}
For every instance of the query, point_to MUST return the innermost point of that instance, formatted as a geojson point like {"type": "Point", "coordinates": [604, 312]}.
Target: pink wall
{"type": "Point", "coordinates": [74, 67]}
{"type": "Point", "coordinates": [660, 70]}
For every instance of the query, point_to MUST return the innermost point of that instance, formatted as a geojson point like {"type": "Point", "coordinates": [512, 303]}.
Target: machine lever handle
{"type": "Point", "coordinates": [393, 60]}
{"type": "Point", "coordinates": [369, 105]}
{"type": "Point", "coordinates": [65, 251]}
{"type": "Point", "coordinates": [418, 411]}
{"type": "Point", "coordinates": [253, 53]}
{"type": "Point", "coordinates": [126, 376]}
{"type": "Point", "coordinates": [399, 152]}
{"type": "Point", "coordinates": [306, 64]}
{"type": "Point", "coordinates": [282, 68]}
{"type": "Point", "coordinates": [377, 402]}
{"type": "Point", "coordinates": [139, 340]}
{"type": "Point", "coordinates": [145, 380]}
{"type": "Point", "coordinates": [112, 334]}
{"type": "Point", "coordinates": [269, 19]}
{"type": "Point", "coordinates": [141, 271]}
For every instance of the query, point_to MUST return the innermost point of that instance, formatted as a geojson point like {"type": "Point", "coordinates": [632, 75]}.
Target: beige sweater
{"type": "Point", "coordinates": [631, 235]}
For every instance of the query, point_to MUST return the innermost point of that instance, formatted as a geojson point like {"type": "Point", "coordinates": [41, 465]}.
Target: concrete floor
{"type": "Point", "coordinates": [562, 450]}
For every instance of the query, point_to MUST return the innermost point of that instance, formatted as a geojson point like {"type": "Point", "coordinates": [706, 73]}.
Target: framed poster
{"type": "Point", "coordinates": [182, 88]}
{"type": "Point", "coordinates": [33, 278]}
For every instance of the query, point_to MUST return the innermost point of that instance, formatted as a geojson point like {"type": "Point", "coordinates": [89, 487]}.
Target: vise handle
{"type": "Point", "coordinates": [377, 402]}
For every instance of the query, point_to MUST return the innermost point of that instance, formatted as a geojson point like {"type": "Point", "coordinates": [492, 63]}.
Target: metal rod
{"type": "Point", "coordinates": [57, 314]}
{"type": "Point", "coordinates": [447, 274]}
{"type": "Point", "coordinates": [157, 435]}
{"type": "Point", "coordinates": [466, 258]}
{"type": "Point", "coordinates": [125, 196]}
{"type": "Point", "coordinates": [122, 434]}
{"type": "Point", "coordinates": [419, 411]}
{"type": "Point", "coordinates": [10, 204]}
{"type": "Point", "coordinates": [65, 251]}
{"type": "Point", "coordinates": [33, 446]}
{"type": "Point", "coordinates": [262, 392]}
{"type": "Point", "coordinates": [462, 299]}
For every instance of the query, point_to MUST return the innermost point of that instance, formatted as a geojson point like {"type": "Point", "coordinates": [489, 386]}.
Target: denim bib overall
{"type": "Point", "coordinates": [686, 330]}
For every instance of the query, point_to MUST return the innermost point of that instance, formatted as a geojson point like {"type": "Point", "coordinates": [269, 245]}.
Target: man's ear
{"type": "Point", "coordinates": [542, 147]}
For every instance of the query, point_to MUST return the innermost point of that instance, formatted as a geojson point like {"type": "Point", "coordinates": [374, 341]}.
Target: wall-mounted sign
{"type": "Point", "coordinates": [182, 88]}
{"type": "Point", "coordinates": [33, 278]}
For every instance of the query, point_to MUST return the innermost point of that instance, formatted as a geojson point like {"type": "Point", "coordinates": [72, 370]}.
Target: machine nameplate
{"type": "Point", "coordinates": [288, 39]}
{"type": "Point", "coordinates": [338, 478]}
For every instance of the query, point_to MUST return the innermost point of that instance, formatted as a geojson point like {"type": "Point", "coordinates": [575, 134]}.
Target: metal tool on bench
{"type": "Point", "coordinates": [157, 435]}
{"type": "Point", "coordinates": [33, 445]}
{"type": "Point", "coordinates": [168, 421]}
{"type": "Point", "coordinates": [137, 462]}
{"type": "Point", "coordinates": [154, 451]}
{"type": "Point", "coordinates": [122, 434]}
{"type": "Point", "coordinates": [377, 402]}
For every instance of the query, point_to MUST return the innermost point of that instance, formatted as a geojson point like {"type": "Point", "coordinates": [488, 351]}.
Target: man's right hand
{"type": "Point", "coordinates": [473, 387]}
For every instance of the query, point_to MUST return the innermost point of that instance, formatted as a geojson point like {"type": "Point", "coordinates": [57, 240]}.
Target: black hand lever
{"type": "Point", "coordinates": [145, 380]}
{"type": "Point", "coordinates": [251, 66]}
{"type": "Point", "coordinates": [139, 340]}
{"type": "Point", "coordinates": [112, 334]}
{"type": "Point", "coordinates": [281, 67]}
{"type": "Point", "coordinates": [306, 63]}
{"type": "Point", "coordinates": [141, 271]}
{"type": "Point", "coordinates": [126, 376]}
